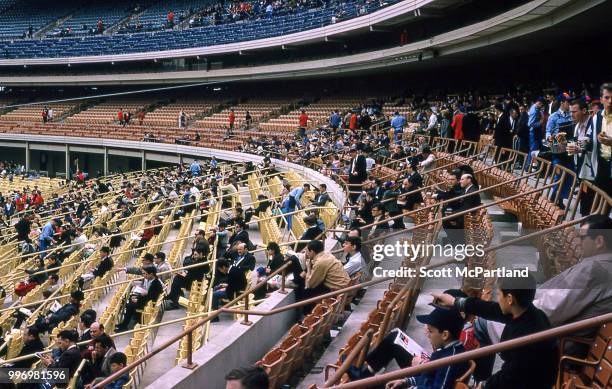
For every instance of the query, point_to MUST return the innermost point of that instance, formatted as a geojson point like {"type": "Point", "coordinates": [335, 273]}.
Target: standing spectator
{"type": "Point", "coordinates": [334, 120]}
{"type": "Point", "coordinates": [457, 124]}
{"type": "Point", "coordinates": [30, 31]}
{"type": "Point", "coordinates": [432, 123]}
{"type": "Point", "coordinates": [470, 125]}
{"type": "Point", "coordinates": [357, 173]}
{"type": "Point", "coordinates": [50, 115]}
{"type": "Point", "coordinates": [140, 115]}
{"type": "Point", "coordinates": [353, 122]}
{"type": "Point", "coordinates": [45, 114]}
{"type": "Point", "coordinates": [126, 118]}
{"type": "Point", "coordinates": [602, 123]}
{"type": "Point", "coordinates": [120, 116]}
{"type": "Point", "coordinates": [269, 11]}
{"type": "Point", "coordinates": [231, 121]}
{"type": "Point", "coordinates": [100, 26]}
{"type": "Point", "coordinates": [534, 122]}
{"type": "Point", "coordinates": [248, 120]}
{"type": "Point", "coordinates": [397, 122]}
{"type": "Point", "coordinates": [522, 129]}
{"type": "Point", "coordinates": [558, 122]}
{"type": "Point", "coordinates": [182, 119]}
{"type": "Point", "coordinates": [445, 128]}
{"type": "Point", "coordinates": [303, 124]}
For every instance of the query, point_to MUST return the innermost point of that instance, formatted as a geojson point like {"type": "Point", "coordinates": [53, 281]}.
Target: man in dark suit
{"type": "Point", "coordinates": [185, 278]}
{"type": "Point", "coordinates": [454, 190]}
{"type": "Point", "coordinates": [70, 356]}
{"type": "Point", "coordinates": [153, 287]}
{"type": "Point", "coordinates": [105, 265]}
{"type": "Point", "coordinates": [357, 172]}
{"type": "Point", "coordinates": [471, 126]}
{"type": "Point", "coordinates": [503, 129]}
{"type": "Point", "coordinates": [243, 259]}
{"type": "Point", "coordinates": [32, 344]}
{"type": "Point", "coordinates": [233, 282]}
{"type": "Point", "coordinates": [378, 213]}
{"type": "Point", "coordinates": [454, 227]}
{"type": "Point", "coordinates": [49, 322]}
{"type": "Point", "coordinates": [322, 198]}
{"type": "Point", "coordinates": [522, 129]}
{"type": "Point", "coordinates": [312, 232]}
{"type": "Point", "coordinates": [240, 235]}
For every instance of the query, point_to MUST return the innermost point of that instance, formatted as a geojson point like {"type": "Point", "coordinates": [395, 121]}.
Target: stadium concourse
{"type": "Point", "coordinates": [122, 264]}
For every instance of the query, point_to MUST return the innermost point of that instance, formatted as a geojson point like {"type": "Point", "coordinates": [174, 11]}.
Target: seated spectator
{"type": "Point", "coordinates": [428, 160]}
{"type": "Point", "coordinates": [103, 351]}
{"type": "Point", "coordinates": [531, 366]}
{"type": "Point", "coordinates": [32, 344]}
{"type": "Point", "coordinates": [117, 361]}
{"type": "Point", "coordinates": [85, 322]}
{"type": "Point", "coordinates": [322, 197]}
{"type": "Point", "coordinates": [105, 265]}
{"type": "Point", "coordinates": [443, 328]}
{"type": "Point", "coordinates": [150, 290]}
{"type": "Point", "coordinates": [97, 332]}
{"type": "Point", "coordinates": [243, 259]}
{"type": "Point", "coordinates": [313, 231]}
{"type": "Point", "coordinates": [247, 378]}
{"type": "Point", "coordinates": [324, 273]}
{"type": "Point", "coordinates": [70, 356]}
{"type": "Point", "coordinates": [454, 227]}
{"type": "Point", "coordinates": [162, 266]}
{"type": "Point", "coordinates": [354, 261]}
{"type": "Point", "coordinates": [229, 281]}
{"type": "Point", "coordinates": [51, 320]}
{"type": "Point", "coordinates": [379, 219]}
{"type": "Point", "coordinates": [185, 278]}
{"type": "Point", "coordinates": [580, 292]}
{"type": "Point", "coordinates": [275, 257]}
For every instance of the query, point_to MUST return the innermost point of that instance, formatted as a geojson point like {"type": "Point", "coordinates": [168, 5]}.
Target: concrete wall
{"type": "Point", "coordinates": [236, 346]}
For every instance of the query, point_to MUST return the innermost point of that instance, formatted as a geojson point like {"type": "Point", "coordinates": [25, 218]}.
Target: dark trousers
{"type": "Point", "coordinates": [455, 230]}
{"type": "Point", "coordinates": [386, 351]}
{"type": "Point", "coordinates": [309, 293]}
{"type": "Point", "coordinates": [178, 283]}
{"type": "Point", "coordinates": [130, 310]}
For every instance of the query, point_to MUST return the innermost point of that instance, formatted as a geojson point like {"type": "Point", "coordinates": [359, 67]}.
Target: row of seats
{"type": "Point", "coordinates": [301, 20]}
{"type": "Point", "coordinates": [33, 113]}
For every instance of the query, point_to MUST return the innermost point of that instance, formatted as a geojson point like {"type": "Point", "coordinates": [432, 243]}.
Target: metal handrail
{"type": "Point", "coordinates": [552, 333]}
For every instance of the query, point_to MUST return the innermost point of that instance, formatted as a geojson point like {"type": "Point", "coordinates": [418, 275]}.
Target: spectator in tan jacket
{"type": "Point", "coordinates": [324, 273]}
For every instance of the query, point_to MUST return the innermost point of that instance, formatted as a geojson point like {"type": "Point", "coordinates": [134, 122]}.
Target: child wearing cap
{"type": "Point", "coordinates": [443, 328]}
{"type": "Point", "coordinates": [533, 366]}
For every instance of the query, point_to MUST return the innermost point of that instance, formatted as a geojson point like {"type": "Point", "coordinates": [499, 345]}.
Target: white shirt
{"type": "Point", "coordinates": [428, 163]}
{"type": "Point", "coordinates": [354, 264]}
{"type": "Point", "coordinates": [433, 121]}
{"type": "Point", "coordinates": [370, 162]}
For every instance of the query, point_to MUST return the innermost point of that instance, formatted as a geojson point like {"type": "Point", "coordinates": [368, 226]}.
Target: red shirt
{"type": "Point", "coordinates": [120, 115]}
{"type": "Point", "coordinates": [170, 16]}
{"type": "Point", "coordinates": [20, 203]}
{"type": "Point", "coordinates": [353, 122]}
{"type": "Point", "coordinates": [148, 233]}
{"type": "Point", "coordinates": [232, 117]}
{"type": "Point", "coordinates": [457, 126]}
{"type": "Point", "coordinates": [303, 120]}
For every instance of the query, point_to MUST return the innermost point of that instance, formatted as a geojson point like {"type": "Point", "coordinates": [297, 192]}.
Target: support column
{"type": "Point", "coordinates": [105, 170]}
{"type": "Point", "coordinates": [180, 156]}
{"type": "Point", "coordinates": [27, 156]}
{"type": "Point", "coordinates": [68, 162]}
{"type": "Point", "coordinates": [144, 160]}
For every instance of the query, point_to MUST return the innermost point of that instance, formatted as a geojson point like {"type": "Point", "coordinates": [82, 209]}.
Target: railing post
{"type": "Point", "coordinates": [246, 321]}
{"type": "Point", "coordinates": [282, 288]}
{"type": "Point", "coordinates": [190, 365]}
